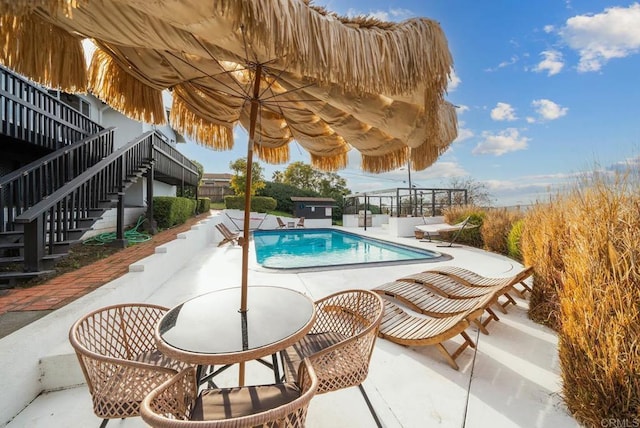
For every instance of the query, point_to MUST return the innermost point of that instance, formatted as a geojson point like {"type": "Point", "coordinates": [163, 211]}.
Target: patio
{"type": "Point", "coordinates": [512, 379]}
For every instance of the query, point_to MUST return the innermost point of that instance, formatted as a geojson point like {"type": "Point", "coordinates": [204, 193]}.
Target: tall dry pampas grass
{"type": "Point", "coordinates": [496, 227]}
{"type": "Point", "coordinates": [586, 251]}
{"type": "Point", "coordinates": [600, 305]}
{"type": "Point", "coordinates": [544, 236]}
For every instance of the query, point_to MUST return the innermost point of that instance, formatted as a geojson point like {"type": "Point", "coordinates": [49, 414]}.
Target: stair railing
{"type": "Point", "coordinates": [50, 221]}
{"type": "Point", "coordinates": [23, 188]}
{"type": "Point", "coordinates": [30, 113]}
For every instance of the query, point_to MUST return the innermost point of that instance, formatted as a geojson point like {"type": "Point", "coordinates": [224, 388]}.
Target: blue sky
{"type": "Point", "coordinates": [546, 90]}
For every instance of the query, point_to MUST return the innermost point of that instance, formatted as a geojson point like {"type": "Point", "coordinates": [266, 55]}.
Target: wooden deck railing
{"type": "Point", "coordinates": [50, 221]}
{"type": "Point", "coordinates": [170, 162]}
{"type": "Point", "coordinates": [21, 189]}
{"type": "Point", "coordinates": [29, 113]}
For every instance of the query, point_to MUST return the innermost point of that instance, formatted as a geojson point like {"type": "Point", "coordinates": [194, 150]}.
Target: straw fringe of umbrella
{"type": "Point", "coordinates": [306, 41]}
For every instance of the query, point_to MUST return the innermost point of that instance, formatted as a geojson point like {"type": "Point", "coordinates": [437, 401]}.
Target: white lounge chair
{"type": "Point", "coordinates": [437, 228]}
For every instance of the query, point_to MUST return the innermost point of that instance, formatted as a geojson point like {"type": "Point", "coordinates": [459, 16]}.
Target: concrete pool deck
{"type": "Point", "coordinates": [511, 379]}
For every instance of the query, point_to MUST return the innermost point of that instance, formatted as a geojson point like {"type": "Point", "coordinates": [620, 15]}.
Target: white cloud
{"type": "Point", "coordinates": [440, 169]}
{"type": "Point", "coordinates": [548, 29]}
{"type": "Point", "coordinates": [454, 81]}
{"type": "Point", "coordinates": [614, 33]}
{"type": "Point", "coordinates": [503, 142]}
{"type": "Point", "coordinates": [531, 119]}
{"type": "Point", "coordinates": [380, 14]}
{"type": "Point", "coordinates": [548, 110]}
{"type": "Point", "coordinates": [625, 166]}
{"type": "Point", "coordinates": [463, 133]}
{"type": "Point", "coordinates": [552, 62]}
{"type": "Point", "coordinates": [511, 61]}
{"type": "Point", "coordinates": [461, 108]}
{"type": "Point", "coordinates": [383, 15]}
{"type": "Point", "coordinates": [503, 64]}
{"type": "Point", "coordinates": [503, 111]}
{"type": "Point", "coordinates": [401, 14]}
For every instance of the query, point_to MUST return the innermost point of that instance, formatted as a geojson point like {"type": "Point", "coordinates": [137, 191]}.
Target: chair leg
{"type": "Point", "coordinates": [526, 288]}
{"type": "Point", "coordinates": [510, 300]}
{"type": "Point", "coordinates": [104, 423]}
{"type": "Point", "coordinates": [370, 406]}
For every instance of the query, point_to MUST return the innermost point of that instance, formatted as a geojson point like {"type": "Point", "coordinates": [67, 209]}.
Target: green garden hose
{"type": "Point", "coordinates": [132, 236]}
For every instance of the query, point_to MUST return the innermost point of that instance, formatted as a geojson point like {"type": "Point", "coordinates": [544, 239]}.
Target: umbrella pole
{"type": "Point", "coordinates": [253, 115]}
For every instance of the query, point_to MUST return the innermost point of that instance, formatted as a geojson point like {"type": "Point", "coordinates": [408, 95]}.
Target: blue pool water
{"type": "Point", "coordinates": [306, 248]}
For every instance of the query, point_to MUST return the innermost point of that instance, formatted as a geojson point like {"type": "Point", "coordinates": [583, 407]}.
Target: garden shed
{"type": "Point", "coordinates": [313, 208]}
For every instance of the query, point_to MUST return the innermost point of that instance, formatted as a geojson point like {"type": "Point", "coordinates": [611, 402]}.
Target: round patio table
{"type": "Point", "coordinates": [210, 329]}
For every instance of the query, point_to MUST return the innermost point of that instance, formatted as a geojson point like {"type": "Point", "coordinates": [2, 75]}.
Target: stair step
{"type": "Point", "coordinates": [19, 259]}
{"type": "Point", "coordinates": [11, 236]}
{"type": "Point", "coordinates": [62, 246]}
{"type": "Point", "coordinates": [107, 203]}
{"type": "Point", "coordinates": [10, 279]}
{"type": "Point", "coordinates": [11, 245]}
{"type": "Point", "coordinates": [77, 233]}
{"type": "Point", "coordinates": [87, 222]}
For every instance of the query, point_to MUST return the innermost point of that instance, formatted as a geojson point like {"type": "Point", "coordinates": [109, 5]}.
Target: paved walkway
{"type": "Point", "coordinates": [28, 304]}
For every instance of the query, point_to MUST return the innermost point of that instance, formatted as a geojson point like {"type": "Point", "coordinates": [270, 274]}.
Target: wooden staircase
{"type": "Point", "coordinates": [45, 232]}
{"type": "Point", "coordinates": [47, 205]}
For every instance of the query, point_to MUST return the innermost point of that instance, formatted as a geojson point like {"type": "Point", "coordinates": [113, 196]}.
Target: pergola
{"type": "Point", "coordinates": [405, 201]}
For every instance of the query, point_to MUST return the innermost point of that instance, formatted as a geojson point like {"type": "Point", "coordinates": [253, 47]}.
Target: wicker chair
{"type": "Point", "coordinates": [176, 403]}
{"type": "Point", "coordinates": [341, 341]}
{"type": "Point", "coordinates": [117, 353]}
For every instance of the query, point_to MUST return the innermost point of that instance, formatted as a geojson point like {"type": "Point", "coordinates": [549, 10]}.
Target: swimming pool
{"type": "Point", "coordinates": [307, 248]}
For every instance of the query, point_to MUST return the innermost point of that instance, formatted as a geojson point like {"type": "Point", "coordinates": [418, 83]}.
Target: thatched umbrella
{"type": "Point", "coordinates": [281, 68]}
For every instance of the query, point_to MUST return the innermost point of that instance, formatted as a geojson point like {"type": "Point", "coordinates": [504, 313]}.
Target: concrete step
{"type": "Point", "coordinates": [60, 369]}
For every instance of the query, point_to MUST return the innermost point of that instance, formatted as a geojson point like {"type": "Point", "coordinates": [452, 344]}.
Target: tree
{"type": "Point", "coordinates": [239, 179]}
{"type": "Point", "coordinates": [332, 185]}
{"type": "Point", "coordinates": [477, 192]}
{"type": "Point", "coordinates": [301, 175]}
{"type": "Point", "coordinates": [326, 184]}
{"type": "Point", "coordinates": [282, 193]}
{"type": "Point", "coordinates": [190, 192]}
{"type": "Point", "coordinates": [200, 169]}
{"type": "Point", "coordinates": [277, 177]}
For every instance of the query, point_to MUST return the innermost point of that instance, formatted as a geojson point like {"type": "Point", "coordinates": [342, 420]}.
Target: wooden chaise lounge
{"type": "Point", "coordinates": [454, 289]}
{"type": "Point", "coordinates": [473, 279]}
{"type": "Point", "coordinates": [400, 327]}
{"type": "Point", "coordinates": [227, 235]}
{"type": "Point", "coordinates": [445, 285]}
{"type": "Point", "coordinates": [425, 300]}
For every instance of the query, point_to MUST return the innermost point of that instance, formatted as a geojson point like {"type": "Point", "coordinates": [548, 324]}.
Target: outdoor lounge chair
{"type": "Point", "coordinates": [473, 279]}
{"type": "Point", "coordinates": [437, 228]}
{"type": "Point", "coordinates": [300, 222]}
{"type": "Point", "coordinates": [116, 349]}
{"type": "Point", "coordinates": [425, 300]}
{"type": "Point", "coordinates": [176, 403]}
{"type": "Point", "coordinates": [453, 289]}
{"type": "Point", "coordinates": [400, 327]}
{"type": "Point", "coordinates": [227, 235]}
{"type": "Point", "coordinates": [281, 224]}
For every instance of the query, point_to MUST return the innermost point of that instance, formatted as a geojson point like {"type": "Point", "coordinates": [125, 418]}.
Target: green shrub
{"type": "Point", "coordinates": [495, 229]}
{"type": "Point", "coordinates": [456, 214]}
{"type": "Point", "coordinates": [282, 193]}
{"type": "Point", "coordinates": [513, 240]}
{"type": "Point", "coordinates": [169, 211]}
{"type": "Point", "coordinates": [204, 205]}
{"type": "Point", "coordinates": [261, 204]}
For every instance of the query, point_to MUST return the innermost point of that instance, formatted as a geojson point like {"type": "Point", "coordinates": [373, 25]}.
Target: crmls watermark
{"type": "Point", "coordinates": [620, 423]}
